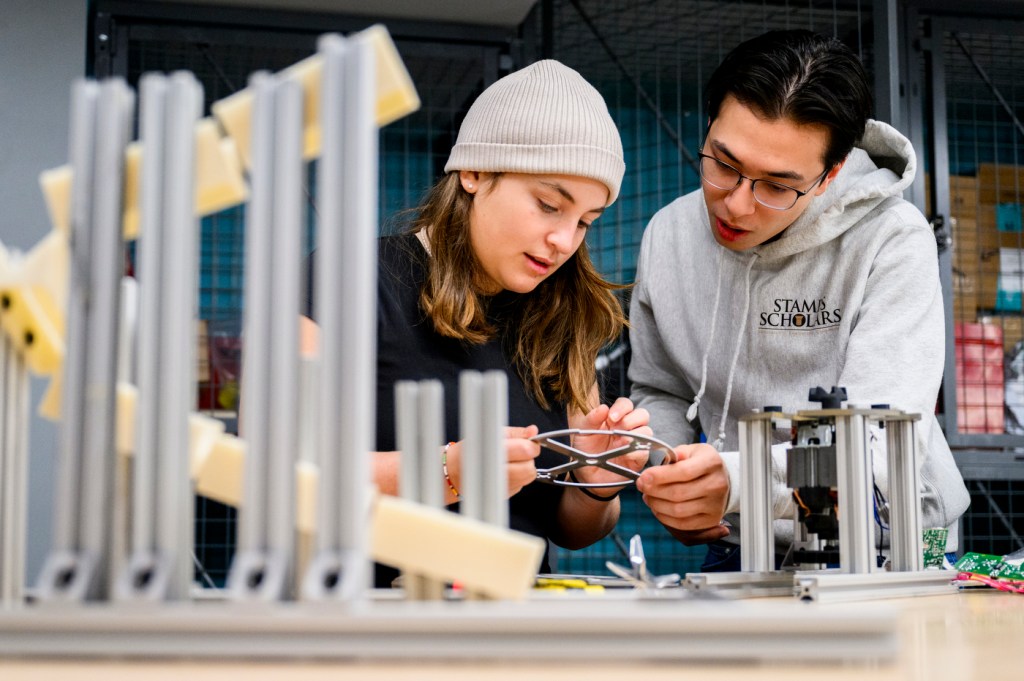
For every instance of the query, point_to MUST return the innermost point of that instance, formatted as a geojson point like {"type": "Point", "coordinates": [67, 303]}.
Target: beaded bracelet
{"type": "Point", "coordinates": [595, 497]}
{"type": "Point", "coordinates": [444, 467]}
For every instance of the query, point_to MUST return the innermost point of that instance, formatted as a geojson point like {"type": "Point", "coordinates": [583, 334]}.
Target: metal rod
{"type": "Point", "coordinates": [856, 495]}
{"type": "Point", "coordinates": [757, 532]}
{"type": "Point", "coordinates": [904, 497]}
{"type": "Point", "coordinates": [471, 476]}
{"type": "Point", "coordinates": [286, 259]}
{"type": "Point", "coordinates": [255, 411]}
{"type": "Point", "coordinates": [152, 111]}
{"type": "Point", "coordinates": [180, 234]}
{"type": "Point", "coordinates": [494, 487]}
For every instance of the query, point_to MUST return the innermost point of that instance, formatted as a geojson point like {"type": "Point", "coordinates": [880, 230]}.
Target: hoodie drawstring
{"type": "Point", "coordinates": [691, 413]}
{"type": "Point", "coordinates": [720, 440]}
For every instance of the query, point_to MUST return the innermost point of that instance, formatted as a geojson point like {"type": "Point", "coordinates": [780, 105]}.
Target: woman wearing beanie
{"type": "Point", "coordinates": [494, 274]}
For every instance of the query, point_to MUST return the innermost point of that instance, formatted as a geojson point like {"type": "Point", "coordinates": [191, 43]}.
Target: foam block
{"type": "Point", "coordinates": [219, 181]}
{"type": "Point", "coordinates": [396, 95]}
{"type": "Point", "coordinates": [438, 544]}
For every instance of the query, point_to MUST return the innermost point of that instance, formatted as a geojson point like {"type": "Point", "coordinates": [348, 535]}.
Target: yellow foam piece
{"type": "Point", "coordinates": [203, 434]}
{"type": "Point", "coordinates": [33, 295]}
{"type": "Point", "coordinates": [396, 95]}
{"type": "Point", "coordinates": [35, 327]}
{"type": "Point", "coordinates": [49, 406]}
{"type": "Point", "coordinates": [219, 181]}
{"type": "Point", "coordinates": [125, 418]}
{"type": "Point", "coordinates": [438, 544]}
{"type": "Point", "coordinates": [219, 476]}
{"type": "Point", "coordinates": [307, 478]}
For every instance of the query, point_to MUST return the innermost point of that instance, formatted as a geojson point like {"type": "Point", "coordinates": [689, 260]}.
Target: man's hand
{"type": "Point", "coordinates": [689, 496]}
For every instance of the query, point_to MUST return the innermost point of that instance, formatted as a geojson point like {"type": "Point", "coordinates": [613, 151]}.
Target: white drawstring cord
{"type": "Point", "coordinates": [720, 440]}
{"type": "Point", "coordinates": [691, 413]}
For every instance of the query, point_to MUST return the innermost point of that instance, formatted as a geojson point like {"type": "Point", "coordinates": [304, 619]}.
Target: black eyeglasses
{"type": "Point", "coordinates": [721, 175]}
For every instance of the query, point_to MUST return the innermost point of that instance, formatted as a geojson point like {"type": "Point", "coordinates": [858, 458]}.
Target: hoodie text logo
{"type": "Point", "coordinates": [800, 315]}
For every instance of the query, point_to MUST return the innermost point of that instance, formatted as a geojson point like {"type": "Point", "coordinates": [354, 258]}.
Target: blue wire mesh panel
{"type": "Point", "coordinates": [650, 60]}
{"type": "Point", "coordinates": [995, 521]}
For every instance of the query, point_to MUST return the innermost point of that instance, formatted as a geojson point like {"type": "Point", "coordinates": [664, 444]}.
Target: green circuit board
{"type": "Point", "coordinates": [934, 541]}
{"type": "Point", "coordinates": [989, 565]}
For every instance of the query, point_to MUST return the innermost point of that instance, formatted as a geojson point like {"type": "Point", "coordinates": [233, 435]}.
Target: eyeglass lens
{"type": "Point", "coordinates": [722, 176]}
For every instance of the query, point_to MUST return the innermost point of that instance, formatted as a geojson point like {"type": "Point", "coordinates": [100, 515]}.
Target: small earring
{"type": "Point", "coordinates": [469, 185]}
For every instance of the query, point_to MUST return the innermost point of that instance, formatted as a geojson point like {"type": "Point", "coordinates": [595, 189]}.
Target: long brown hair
{"type": "Point", "coordinates": [559, 326]}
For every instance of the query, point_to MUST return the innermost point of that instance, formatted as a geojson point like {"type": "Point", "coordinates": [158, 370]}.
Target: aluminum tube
{"type": "Point", "coordinates": [471, 465]}
{"type": "Point", "coordinates": [495, 461]}
{"type": "Point", "coordinates": [81, 149]}
{"type": "Point", "coordinates": [19, 542]}
{"type": "Point", "coordinates": [13, 475]}
{"type": "Point", "coordinates": [358, 293]}
{"type": "Point", "coordinates": [175, 507]}
{"type": "Point", "coordinates": [328, 291]}
{"type": "Point", "coordinates": [431, 437]}
{"type": "Point", "coordinates": [255, 411]}
{"type": "Point", "coordinates": [856, 498]}
{"type": "Point", "coordinates": [757, 533]}
{"type": "Point", "coordinates": [150, 248]}
{"type": "Point", "coordinates": [7, 491]}
{"type": "Point", "coordinates": [286, 259]}
{"type": "Point", "coordinates": [115, 106]}
{"type": "Point", "coordinates": [407, 439]}
{"type": "Point", "coordinates": [431, 482]}
{"type": "Point", "coordinates": [904, 497]}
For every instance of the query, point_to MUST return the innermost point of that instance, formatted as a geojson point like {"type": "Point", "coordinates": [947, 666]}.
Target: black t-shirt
{"type": "Point", "coordinates": [408, 348]}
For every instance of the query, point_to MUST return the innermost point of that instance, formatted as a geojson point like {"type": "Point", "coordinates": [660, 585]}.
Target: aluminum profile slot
{"type": "Point", "coordinates": [256, 572]}
{"type": "Point", "coordinates": [346, 305]}
{"type": "Point", "coordinates": [904, 494]}
{"type": "Point", "coordinates": [471, 466]}
{"type": "Point", "coordinates": [80, 566]}
{"type": "Point", "coordinates": [431, 480]}
{"type": "Point", "coordinates": [286, 276]}
{"type": "Point", "coordinates": [66, 573]}
{"type": "Point", "coordinates": [757, 534]}
{"type": "Point", "coordinates": [146, 575]}
{"type": "Point", "coordinates": [494, 491]}
{"type": "Point", "coordinates": [856, 498]}
{"type": "Point", "coordinates": [160, 564]}
{"type": "Point", "coordinates": [13, 474]}
{"type": "Point", "coordinates": [174, 494]}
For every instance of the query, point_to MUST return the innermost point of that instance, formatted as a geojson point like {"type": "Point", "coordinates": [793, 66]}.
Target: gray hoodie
{"type": "Point", "coordinates": [848, 295]}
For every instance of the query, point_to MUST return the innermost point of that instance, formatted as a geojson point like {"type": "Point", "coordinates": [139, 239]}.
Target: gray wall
{"type": "Point", "coordinates": [42, 49]}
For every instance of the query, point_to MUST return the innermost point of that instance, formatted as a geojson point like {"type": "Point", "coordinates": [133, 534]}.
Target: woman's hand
{"type": "Point", "coordinates": [520, 452]}
{"type": "Point", "coordinates": [619, 416]}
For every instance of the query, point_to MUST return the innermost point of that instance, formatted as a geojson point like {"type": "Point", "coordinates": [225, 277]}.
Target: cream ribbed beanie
{"type": "Point", "coordinates": [545, 118]}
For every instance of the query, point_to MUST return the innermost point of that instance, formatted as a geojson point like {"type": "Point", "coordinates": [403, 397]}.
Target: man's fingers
{"type": "Point", "coordinates": [705, 536]}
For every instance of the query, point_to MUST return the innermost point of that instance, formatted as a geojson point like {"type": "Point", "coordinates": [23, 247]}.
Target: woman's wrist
{"type": "Point", "coordinates": [588, 492]}
{"type": "Point", "coordinates": [447, 472]}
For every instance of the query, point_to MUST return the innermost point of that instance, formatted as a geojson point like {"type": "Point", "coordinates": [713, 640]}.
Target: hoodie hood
{"type": "Point", "coordinates": [881, 166]}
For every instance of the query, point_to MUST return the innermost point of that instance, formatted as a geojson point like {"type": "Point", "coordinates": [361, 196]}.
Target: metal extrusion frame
{"type": "Point", "coordinates": [836, 587]}
{"type": "Point", "coordinates": [562, 629]}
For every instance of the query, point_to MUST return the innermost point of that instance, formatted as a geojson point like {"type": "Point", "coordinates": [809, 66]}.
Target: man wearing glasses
{"type": "Point", "coordinates": [797, 264]}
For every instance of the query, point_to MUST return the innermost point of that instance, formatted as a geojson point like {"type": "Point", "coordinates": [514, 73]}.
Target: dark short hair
{"type": "Point", "coordinates": [802, 76]}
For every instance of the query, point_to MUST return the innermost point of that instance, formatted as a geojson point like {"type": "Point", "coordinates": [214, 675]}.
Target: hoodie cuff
{"type": "Point", "coordinates": [732, 467]}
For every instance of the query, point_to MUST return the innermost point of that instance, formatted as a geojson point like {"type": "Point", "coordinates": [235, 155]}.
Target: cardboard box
{"type": "Point", "coordinates": [1000, 183]}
